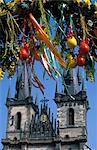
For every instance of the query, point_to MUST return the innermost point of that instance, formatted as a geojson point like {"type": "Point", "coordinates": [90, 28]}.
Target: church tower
{"type": "Point", "coordinates": [21, 108]}
{"type": "Point", "coordinates": [28, 128]}
{"type": "Point", "coordinates": [72, 106]}
{"type": "Point", "coordinates": [31, 128]}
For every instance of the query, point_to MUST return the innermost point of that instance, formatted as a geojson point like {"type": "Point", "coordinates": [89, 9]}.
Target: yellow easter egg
{"type": "Point", "coordinates": [71, 42]}
{"type": "Point", "coordinates": [72, 64]}
{"type": "Point", "coordinates": [69, 57]}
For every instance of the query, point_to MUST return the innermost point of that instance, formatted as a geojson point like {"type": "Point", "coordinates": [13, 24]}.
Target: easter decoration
{"type": "Point", "coordinates": [60, 35]}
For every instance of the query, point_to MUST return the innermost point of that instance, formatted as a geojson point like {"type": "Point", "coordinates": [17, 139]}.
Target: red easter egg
{"type": "Point", "coordinates": [80, 60]}
{"type": "Point", "coordinates": [24, 54]}
{"type": "Point", "coordinates": [84, 47]}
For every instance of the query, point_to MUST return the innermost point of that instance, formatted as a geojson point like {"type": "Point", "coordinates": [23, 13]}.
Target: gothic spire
{"type": "Point", "coordinates": [36, 100]}
{"type": "Point", "coordinates": [23, 89]}
{"type": "Point", "coordinates": [30, 85]}
{"type": "Point", "coordinates": [83, 85]}
{"type": "Point", "coordinates": [49, 112]}
{"type": "Point", "coordinates": [71, 82]}
{"type": "Point", "coordinates": [56, 90]}
{"type": "Point", "coordinates": [26, 81]}
{"type": "Point", "coordinates": [79, 76]}
{"type": "Point", "coordinates": [9, 93]}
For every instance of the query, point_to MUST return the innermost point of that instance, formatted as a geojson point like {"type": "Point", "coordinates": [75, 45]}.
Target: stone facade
{"type": "Point", "coordinates": [79, 127]}
{"type": "Point", "coordinates": [72, 125]}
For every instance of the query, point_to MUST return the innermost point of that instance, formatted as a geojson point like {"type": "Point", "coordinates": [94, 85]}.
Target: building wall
{"type": "Point", "coordinates": [79, 119]}
{"type": "Point", "coordinates": [7, 147]}
{"type": "Point", "coordinates": [14, 111]}
{"type": "Point", "coordinates": [41, 147]}
{"type": "Point", "coordinates": [79, 114]}
{"type": "Point", "coordinates": [47, 147]}
{"type": "Point", "coordinates": [72, 132]}
{"type": "Point", "coordinates": [72, 146]}
{"type": "Point", "coordinates": [26, 116]}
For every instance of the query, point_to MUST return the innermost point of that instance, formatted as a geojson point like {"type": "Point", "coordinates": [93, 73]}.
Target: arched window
{"type": "Point", "coordinates": [18, 120]}
{"type": "Point", "coordinates": [71, 116]}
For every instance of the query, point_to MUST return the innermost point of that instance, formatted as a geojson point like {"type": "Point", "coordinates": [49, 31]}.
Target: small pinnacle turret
{"type": "Point", "coordinates": [56, 89]}
{"type": "Point", "coordinates": [9, 93]}
{"type": "Point", "coordinates": [79, 76]}
{"type": "Point", "coordinates": [36, 100]}
{"type": "Point", "coordinates": [30, 85]}
{"type": "Point", "coordinates": [83, 85]}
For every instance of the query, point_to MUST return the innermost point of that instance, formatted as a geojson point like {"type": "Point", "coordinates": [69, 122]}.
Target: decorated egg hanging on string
{"type": "Point", "coordinates": [71, 42]}
{"type": "Point", "coordinates": [24, 53]}
{"type": "Point", "coordinates": [80, 60]}
{"type": "Point", "coordinates": [84, 47]}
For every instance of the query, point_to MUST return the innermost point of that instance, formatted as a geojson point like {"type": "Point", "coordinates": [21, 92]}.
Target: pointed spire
{"type": "Point", "coordinates": [30, 81]}
{"type": "Point", "coordinates": [56, 90]}
{"type": "Point", "coordinates": [49, 112]}
{"type": "Point", "coordinates": [55, 125]}
{"type": "Point", "coordinates": [30, 85]}
{"type": "Point", "coordinates": [9, 93]}
{"type": "Point", "coordinates": [36, 100]}
{"type": "Point", "coordinates": [46, 107]}
{"type": "Point", "coordinates": [17, 88]}
{"type": "Point", "coordinates": [26, 85]}
{"type": "Point", "coordinates": [62, 91]}
{"type": "Point", "coordinates": [52, 119]}
{"type": "Point", "coordinates": [44, 102]}
{"type": "Point", "coordinates": [58, 127]}
{"type": "Point", "coordinates": [83, 85]}
{"type": "Point", "coordinates": [79, 76]}
{"type": "Point", "coordinates": [41, 108]}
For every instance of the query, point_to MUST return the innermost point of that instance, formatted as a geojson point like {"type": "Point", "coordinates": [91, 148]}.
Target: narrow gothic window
{"type": "Point", "coordinates": [18, 120]}
{"type": "Point", "coordinates": [71, 116]}
{"type": "Point", "coordinates": [12, 120]}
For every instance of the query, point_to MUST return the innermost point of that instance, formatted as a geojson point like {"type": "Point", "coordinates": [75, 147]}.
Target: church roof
{"type": "Point", "coordinates": [71, 84]}
{"type": "Point", "coordinates": [23, 89]}
{"type": "Point", "coordinates": [23, 83]}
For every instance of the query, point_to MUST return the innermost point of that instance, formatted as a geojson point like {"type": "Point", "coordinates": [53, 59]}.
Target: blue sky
{"type": "Point", "coordinates": [49, 93]}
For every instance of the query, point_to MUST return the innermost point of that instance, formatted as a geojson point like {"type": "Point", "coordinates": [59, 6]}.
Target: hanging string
{"type": "Point", "coordinates": [83, 24]}
{"type": "Point", "coordinates": [44, 19]}
{"type": "Point", "coordinates": [50, 14]}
